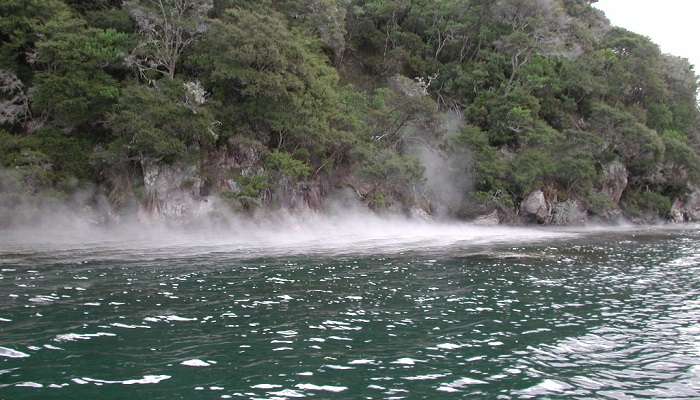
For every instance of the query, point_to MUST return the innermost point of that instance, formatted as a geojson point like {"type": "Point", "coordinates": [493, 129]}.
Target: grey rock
{"type": "Point", "coordinates": [678, 212]}
{"type": "Point", "coordinates": [570, 212]}
{"type": "Point", "coordinates": [292, 195]}
{"type": "Point", "coordinates": [172, 191]}
{"type": "Point", "coordinates": [692, 206]}
{"type": "Point", "coordinates": [615, 179]}
{"type": "Point", "coordinates": [420, 214]}
{"type": "Point", "coordinates": [490, 219]}
{"type": "Point", "coordinates": [536, 208]}
{"type": "Point", "coordinates": [238, 158]}
{"type": "Point", "coordinates": [406, 86]}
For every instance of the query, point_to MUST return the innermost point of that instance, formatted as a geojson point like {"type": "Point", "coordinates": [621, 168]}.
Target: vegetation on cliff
{"type": "Point", "coordinates": [284, 102]}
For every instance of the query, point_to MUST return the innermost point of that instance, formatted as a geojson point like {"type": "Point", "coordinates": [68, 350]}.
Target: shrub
{"type": "Point", "coordinates": [286, 165]}
{"type": "Point", "coordinates": [599, 203]}
{"type": "Point", "coordinates": [638, 203]}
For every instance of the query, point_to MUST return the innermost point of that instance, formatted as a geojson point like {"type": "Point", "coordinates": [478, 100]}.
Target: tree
{"type": "Point", "coordinates": [19, 25]}
{"type": "Point", "coordinates": [167, 28]}
{"type": "Point", "coordinates": [158, 123]}
{"type": "Point", "coordinates": [274, 83]}
{"type": "Point", "coordinates": [72, 84]}
{"type": "Point", "coordinates": [324, 18]}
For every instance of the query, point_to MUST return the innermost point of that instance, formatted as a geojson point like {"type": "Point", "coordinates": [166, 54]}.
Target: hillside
{"type": "Point", "coordinates": [508, 111]}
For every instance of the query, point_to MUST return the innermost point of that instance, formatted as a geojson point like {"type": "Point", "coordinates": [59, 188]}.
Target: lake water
{"type": "Point", "coordinates": [502, 314]}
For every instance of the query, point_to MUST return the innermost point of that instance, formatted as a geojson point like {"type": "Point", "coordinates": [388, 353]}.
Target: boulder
{"type": "Point", "coordinates": [535, 208]}
{"type": "Point", "coordinates": [615, 179]}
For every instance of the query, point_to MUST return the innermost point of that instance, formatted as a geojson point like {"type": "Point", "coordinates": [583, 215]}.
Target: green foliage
{"type": "Point", "coordinates": [158, 122]}
{"type": "Point", "coordinates": [391, 176]}
{"type": "Point", "coordinates": [531, 168]}
{"type": "Point", "coordinates": [252, 186]}
{"type": "Point", "coordinates": [273, 80]}
{"type": "Point", "coordinates": [599, 203]}
{"type": "Point", "coordinates": [575, 172]}
{"type": "Point", "coordinates": [489, 167]}
{"type": "Point", "coordinates": [57, 156]}
{"type": "Point", "coordinates": [249, 193]}
{"type": "Point", "coordinates": [681, 161]}
{"type": "Point", "coordinates": [643, 203]}
{"type": "Point", "coordinates": [73, 85]}
{"type": "Point", "coordinates": [286, 165]}
{"type": "Point", "coordinates": [110, 18]}
{"type": "Point", "coordinates": [547, 95]}
{"type": "Point", "coordinates": [640, 147]}
{"type": "Point", "coordinates": [19, 29]}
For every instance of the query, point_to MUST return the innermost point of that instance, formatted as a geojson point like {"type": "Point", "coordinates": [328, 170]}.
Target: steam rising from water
{"type": "Point", "coordinates": [281, 233]}
{"type": "Point", "coordinates": [351, 232]}
{"type": "Point", "coordinates": [345, 228]}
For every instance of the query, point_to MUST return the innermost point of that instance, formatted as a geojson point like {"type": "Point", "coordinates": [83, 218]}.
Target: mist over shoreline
{"type": "Point", "coordinates": [87, 225]}
{"type": "Point", "coordinates": [341, 229]}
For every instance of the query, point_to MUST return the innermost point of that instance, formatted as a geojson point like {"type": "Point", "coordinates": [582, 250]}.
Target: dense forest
{"type": "Point", "coordinates": [505, 111]}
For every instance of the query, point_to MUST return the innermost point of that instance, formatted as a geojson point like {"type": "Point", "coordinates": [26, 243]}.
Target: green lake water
{"type": "Point", "coordinates": [609, 315]}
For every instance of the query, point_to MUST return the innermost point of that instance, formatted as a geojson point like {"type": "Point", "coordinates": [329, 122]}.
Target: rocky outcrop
{"type": "Point", "coordinates": [173, 192]}
{"type": "Point", "coordinates": [615, 179]}
{"type": "Point", "coordinates": [490, 219]}
{"type": "Point", "coordinates": [677, 213]}
{"type": "Point", "coordinates": [692, 206]}
{"type": "Point", "coordinates": [238, 158]}
{"type": "Point", "coordinates": [535, 208]}
{"type": "Point", "coordinates": [419, 214]}
{"type": "Point", "coordinates": [299, 195]}
{"type": "Point", "coordinates": [686, 210]}
{"type": "Point", "coordinates": [409, 87]}
{"type": "Point", "coordinates": [570, 212]}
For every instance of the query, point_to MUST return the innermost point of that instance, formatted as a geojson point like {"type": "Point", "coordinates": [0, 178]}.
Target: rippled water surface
{"type": "Point", "coordinates": [594, 315]}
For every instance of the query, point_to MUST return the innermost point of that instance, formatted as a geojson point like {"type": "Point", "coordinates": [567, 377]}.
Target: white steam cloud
{"type": "Point", "coordinates": [76, 230]}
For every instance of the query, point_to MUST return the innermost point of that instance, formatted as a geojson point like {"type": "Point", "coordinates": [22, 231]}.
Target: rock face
{"type": "Point", "coordinates": [692, 206]}
{"type": "Point", "coordinates": [490, 219]}
{"type": "Point", "coordinates": [173, 192]}
{"type": "Point", "coordinates": [570, 212]}
{"type": "Point", "coordinates": [615, 179]}
{"type": "Point", "coordinates": [420, 214]}
{"type": "Point", "coordinates": [535, 208]}
{"type": "Point", "coordinates": [244, 160]}
{"type": "Point", "coordinates": [407, 87]}
{"type": "Point", "coordinates": [239, 158]}
{"type": "Point", "coordinates": [677, 213]}
{"type": "Point", "coordinates": [295, 196]}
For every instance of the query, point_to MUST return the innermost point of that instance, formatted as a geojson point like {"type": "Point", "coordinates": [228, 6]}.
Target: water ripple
{"type": "Point", "coordinates": [616, 316]}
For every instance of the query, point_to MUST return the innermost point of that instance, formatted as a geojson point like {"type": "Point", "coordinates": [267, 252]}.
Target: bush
{"type": "Point", "coordinates": [488, 167]}
{"type": "Point", "coordinates": [531, 168]}
{"type": "Point", "coordinates": [599, 203]}
{"type": "Point", "coordinates": [638, 203]}
{"type": "Point", "coordinates": [286, 165]}
{"type": "Point", "coordinates": [62, 157]}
